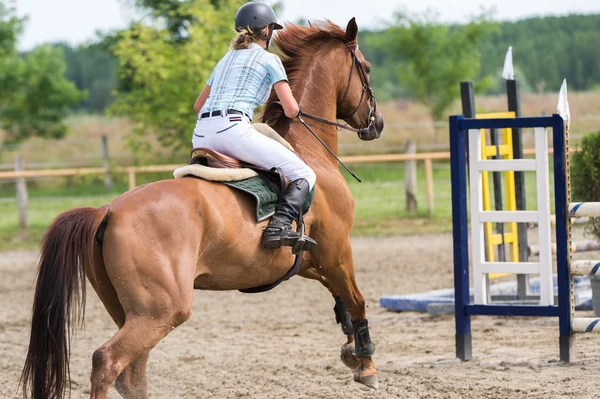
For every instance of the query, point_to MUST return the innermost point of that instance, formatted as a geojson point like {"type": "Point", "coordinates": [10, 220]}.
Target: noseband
{"type": "Point", "coordinates": [366, 88]}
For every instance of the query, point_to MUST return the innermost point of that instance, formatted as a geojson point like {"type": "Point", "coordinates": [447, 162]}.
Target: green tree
{"type": "Point", "coordinates": [585, 176]}
{"type": "Point", "coordinates": [34, 94]}
{"type": "Point", "coordinates": [161, 78]}
{"type": "Point", "coordinates": [177, 16]}
{"type": "Point", "coordinates": [434, 58]}
{"type": "Point", "coordinates": [91, 67]}
{"type": "Point", "coordinates": [585, 169]}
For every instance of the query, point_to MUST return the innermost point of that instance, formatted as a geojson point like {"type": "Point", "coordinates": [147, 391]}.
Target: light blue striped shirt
{"type": "Point", "coordinates": [243, 79]}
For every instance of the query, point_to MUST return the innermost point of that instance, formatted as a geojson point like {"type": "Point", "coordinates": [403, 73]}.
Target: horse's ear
{"type": "Point", "coordinates": [351, 30]}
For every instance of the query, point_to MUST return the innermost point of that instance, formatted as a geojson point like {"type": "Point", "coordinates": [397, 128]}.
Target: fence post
{"type": "Point", "coordinates": [410, 178]}
{"type": "Point", "coordinates": [131, 171]}
{"type": "Point", "coordinates": [108, 183]}
{"type": "Point", "coordinates": [21, 193]}
{"type": "Point", "coordinates": [429, 180]}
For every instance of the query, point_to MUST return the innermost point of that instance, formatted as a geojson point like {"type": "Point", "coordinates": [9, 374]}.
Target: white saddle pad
{"type": "Point", "coordinates": [227, 174]}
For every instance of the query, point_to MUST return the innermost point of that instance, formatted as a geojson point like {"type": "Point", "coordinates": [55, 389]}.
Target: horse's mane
{"type": "Point", "coordinates": [298, 45]}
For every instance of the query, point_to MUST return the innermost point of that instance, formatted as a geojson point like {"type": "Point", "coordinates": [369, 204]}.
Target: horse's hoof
{"type": "Point", "coordinates": [348, 358]}
{"type": "Point", "coordinates": [369, 380]}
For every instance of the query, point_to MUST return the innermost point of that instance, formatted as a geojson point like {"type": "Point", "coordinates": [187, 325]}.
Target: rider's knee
{"type": "Point", "coordinates": [310, 177]}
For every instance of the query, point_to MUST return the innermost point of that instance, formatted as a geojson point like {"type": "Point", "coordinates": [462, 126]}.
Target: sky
{"type": "Point", "coordinates": [77, 21]}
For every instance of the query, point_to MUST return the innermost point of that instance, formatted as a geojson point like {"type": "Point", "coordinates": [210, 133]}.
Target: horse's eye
{"type": "Point", "coordinates": [369, 70]}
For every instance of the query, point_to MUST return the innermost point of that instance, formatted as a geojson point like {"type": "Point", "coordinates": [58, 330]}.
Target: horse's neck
{"type": "Point", "coordinates": [318, 97]}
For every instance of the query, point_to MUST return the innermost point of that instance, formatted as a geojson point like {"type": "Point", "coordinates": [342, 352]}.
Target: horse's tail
{"type": "Point", "coordinates": [59, 300]}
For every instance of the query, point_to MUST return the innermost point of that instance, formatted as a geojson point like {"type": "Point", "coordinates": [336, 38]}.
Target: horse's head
{"type": "Point", "coordinates": [326, 69]}
{"type": "Point", "coordinates": [356, 100]}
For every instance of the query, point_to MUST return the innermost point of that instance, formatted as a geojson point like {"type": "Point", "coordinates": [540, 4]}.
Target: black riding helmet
{"type": "Point", "coordinates": [257, 16]}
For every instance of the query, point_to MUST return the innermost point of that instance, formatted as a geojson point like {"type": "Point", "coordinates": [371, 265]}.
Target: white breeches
{"type": "Point", "coordinates": [239, 139]}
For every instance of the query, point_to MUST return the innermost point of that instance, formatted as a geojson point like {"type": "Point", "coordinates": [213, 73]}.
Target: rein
{"type": "Point", "coordinates": [328, 149]}
{"type": "Point", "coordinates": [332, 123]}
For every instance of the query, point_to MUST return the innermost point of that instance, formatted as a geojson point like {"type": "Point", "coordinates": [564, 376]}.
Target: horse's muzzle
{"type": "Point", "coordinates": [374, 130]}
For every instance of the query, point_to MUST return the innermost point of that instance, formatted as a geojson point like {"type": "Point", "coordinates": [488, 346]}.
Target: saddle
{"type": "Point", "coordinates": [214, 159]}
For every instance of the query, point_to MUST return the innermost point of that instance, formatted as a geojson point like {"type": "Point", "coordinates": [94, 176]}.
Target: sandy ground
{"type": "Point", "coordinates": [285, 343]}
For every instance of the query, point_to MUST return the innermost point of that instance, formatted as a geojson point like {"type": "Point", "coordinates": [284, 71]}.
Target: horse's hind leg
{"type": "Point", "coordinates": [130, 346]}
{"type": "Point", "coordinates": [342, 317]}
{"type": "Point", "coordinates": [143, 321]}
{"type": "Point", "coordinates": [338, 269]}
{"type": "Point", "coordinates": [154, 288]}
{"type": "Point", "coordinates": [132, 383]}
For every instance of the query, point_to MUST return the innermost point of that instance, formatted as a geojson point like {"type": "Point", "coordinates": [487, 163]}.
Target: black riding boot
{"type": "Point", "coordinates": [279, 232]}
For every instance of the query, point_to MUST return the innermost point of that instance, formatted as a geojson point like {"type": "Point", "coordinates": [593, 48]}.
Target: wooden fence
{"type": "Point", "coordinates": [19, 175]}
{"type": "Point", "coordinates": [132, 171]}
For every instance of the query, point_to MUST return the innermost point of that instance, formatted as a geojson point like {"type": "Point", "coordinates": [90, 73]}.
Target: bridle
{"type": "Point", "coordinates": [366, 88]}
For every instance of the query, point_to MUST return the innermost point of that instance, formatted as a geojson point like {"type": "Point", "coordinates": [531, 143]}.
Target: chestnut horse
{"type": "Point", "coordinates": [146, 251]}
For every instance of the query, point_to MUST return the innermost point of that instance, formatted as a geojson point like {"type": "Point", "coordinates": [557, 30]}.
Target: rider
{"type": "Point", "coordinates": [241, 81]}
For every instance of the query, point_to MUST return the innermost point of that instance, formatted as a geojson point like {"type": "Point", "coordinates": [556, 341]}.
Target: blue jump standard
{"type": "Point", "coordinates": [463, 309]}
{"type": "Point", "coordinates": [459, 127]}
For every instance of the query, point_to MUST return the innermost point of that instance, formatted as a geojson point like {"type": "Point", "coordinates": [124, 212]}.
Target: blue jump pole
{"type": "Point", "coordinates": [460, 233]}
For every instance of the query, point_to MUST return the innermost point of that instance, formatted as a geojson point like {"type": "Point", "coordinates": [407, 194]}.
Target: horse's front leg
{"type": "Point", "coordinates": [342, 317]}
{"type": "Point", "coordinates": [338, 270]}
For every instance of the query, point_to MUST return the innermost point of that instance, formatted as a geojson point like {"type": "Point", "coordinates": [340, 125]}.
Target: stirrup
{"type": "Point", "coordinates": [304, 243]}
{"type": "Point", "coordinates": [298, 245]}
{"type": "Point", "coordinates": [286, 237]}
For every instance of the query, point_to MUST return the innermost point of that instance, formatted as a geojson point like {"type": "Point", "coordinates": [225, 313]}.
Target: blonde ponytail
{"type": "Point", "coordinates": [244, 38]}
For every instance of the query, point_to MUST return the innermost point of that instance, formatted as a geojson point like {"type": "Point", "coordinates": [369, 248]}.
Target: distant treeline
{"type": "Point", "coordinates": [545, 50]}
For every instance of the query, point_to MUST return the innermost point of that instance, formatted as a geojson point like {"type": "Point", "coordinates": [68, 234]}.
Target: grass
{"type": "Point", "coordinates": [41, 212]}
{"type": "Point", "coordinates": [380, 202]}
{"type": "Point", "coordinates": [50, 197]}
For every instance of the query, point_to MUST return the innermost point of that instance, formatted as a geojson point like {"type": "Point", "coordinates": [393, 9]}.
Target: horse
{"type": "Point", "coordinates": [145, 252]}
